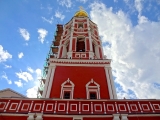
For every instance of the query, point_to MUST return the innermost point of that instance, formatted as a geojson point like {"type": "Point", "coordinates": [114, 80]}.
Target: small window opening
{"type": "Point", "coordinates": [93, 96]}
{"type": "Point", "coordinates": [93, 46]}
{"type": "Point", "coordinates": [66, 95]}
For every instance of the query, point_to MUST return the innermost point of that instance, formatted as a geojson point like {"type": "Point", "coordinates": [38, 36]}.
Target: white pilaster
{"type": "Point", "coordinates": [64, 51]}
{"type": "Point", "coordinates": [89, 33]}
{"type": "Point", "coordinates": [30, 116]}
{"type": "Point", "coordinates": [46, 83]}
{"type": "Point", "coordinates": [50, 81]}
{"type": "Point", "coordinates": [108, 83]}
{"type": "Point", "coordinates": [112, 83]}
{"type": "Point", "coordinates": [116, 117]}
{"type": "Point", "coordinates": [39, 116]}
{"type": "Point", "coordinates": [124, 116]}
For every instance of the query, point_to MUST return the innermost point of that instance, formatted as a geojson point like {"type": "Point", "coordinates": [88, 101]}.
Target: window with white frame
{"type": "Point", "coordinates": [67, 89]}
{"type": "Point", "coordinates": [93, 90]}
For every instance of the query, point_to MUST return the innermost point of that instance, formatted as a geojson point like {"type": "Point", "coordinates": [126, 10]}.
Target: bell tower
{"type": "Point", "coordinates": [75, 66]}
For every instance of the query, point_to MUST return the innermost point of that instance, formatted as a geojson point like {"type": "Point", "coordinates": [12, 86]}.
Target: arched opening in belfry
{"type": "Point", "coordinates": [80, 47]}
{"type": "Point", "coordinates": [93, 46]}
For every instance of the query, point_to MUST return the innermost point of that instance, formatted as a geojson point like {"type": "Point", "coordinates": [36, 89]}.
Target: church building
{"type": "Point", "coordinates": [77, 82]}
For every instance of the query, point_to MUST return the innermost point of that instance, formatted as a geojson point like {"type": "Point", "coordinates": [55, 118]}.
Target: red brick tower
{"type": "Point", "coordinates": [79, 69]}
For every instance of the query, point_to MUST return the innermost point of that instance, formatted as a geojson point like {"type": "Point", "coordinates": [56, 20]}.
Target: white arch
{"type": "Point", "coordinates": [67, 88]}
{"type": "Point", "coordinates": [95, 89]}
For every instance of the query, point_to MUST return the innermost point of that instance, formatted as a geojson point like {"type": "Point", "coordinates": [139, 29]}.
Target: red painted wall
{"type": "Point", "coordinates": [13, 117]}
{"type": "Point", "coordinates": [144, 118]}
{"type": "Point", "coordinates": [100, 118]}
{"type": "Point", "coordinates": [57, 118]}
{"type": "Point", "coordinates": [80, 76]}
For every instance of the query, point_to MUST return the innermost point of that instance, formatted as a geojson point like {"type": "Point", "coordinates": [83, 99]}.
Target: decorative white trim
{"type": "Point", "coordinates": [85, 105]}
{"type": "Point", "coordinates": [50, 81]}
{"type": "Point", "coordinates": [95, 88]}
{"type": "Point", "coordinates": [37, 104]}
{"type": "Point", "coordinates": [67, 88]}
{"type": "Point", "coordinates": [119, 105]}
{"type": "Point", "coordinates": [155, 107]}
{"type": "Point", "coordinates": [131, 106]}
{"type": "Point", "coordinates": [28, 104]}
{"type": "Point", "coordinates": [145, 109]}
{"type": "Point", "coordinates": [51, 107]}
{"type": "Point", "coordinates": [10, 108]}
{"type": "Point", "coordinates": [3, 105]}
{"type": "Point", "coordinates": [111, 106]}
{"type": "Point", "coordinates": [100, 105]}
{"type": "Point", "coordinates": [73, 105]}
{"type": "Point", "coordinates": [60, 104]}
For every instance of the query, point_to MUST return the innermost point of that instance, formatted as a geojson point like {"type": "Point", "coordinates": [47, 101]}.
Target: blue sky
{"type": "Point", "coordinates": [129, 29]}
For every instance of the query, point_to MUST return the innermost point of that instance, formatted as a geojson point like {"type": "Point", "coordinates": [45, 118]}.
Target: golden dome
{"type": "Point", "coordinates": [81, 13]}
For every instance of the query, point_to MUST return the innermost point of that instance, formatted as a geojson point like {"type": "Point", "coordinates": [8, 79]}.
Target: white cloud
{"type": "Point", "coordinates": [30, 70]}
{"type": "Point", "coordinates": [24, 33]}
{"type": "Point", "coordinates": [4, 55]}
{"type": "Point", "coordinates": [142, 19]}
{"type": "Point", "coordinates": [18, 83]}
{"type": "Point", "coordinates": [4, 76]}
{"type": "Point", "coordinates": [20, 55]}
{"type": "Point", "coordinates": [42, 34]}
{"type": "Point", "coordinates": [7, 66]}
{"type": "Point", "coordinates": [134, 51]}
{"type": "Point", "coordinates": [83, 1]}
{"type": "Point", "coordinates": [48, 20]}
{"type": "Point", "coordinates": [32, 92]}
{"type": "Point", "coordinates": [59, 15]}
{"type": "Point", "coordinates": [66, 3]}
{"type": "Point", "coordinates": [24, 76]}
{"type": "Point", "coordinates": [38, 73]}
{"type": "Point", "coordinates": [138, 5]}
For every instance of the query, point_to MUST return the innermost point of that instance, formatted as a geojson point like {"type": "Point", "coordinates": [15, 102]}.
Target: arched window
{"type": "Point", "coordinates": [67, 89]}
{"type": "Point", "coordinates": [93, 90]}
{"type": "Point", "coordinates": [80, 47]}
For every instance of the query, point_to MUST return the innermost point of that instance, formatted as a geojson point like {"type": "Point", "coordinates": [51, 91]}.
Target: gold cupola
{"type": "Point", "coordinates": [81, 13]}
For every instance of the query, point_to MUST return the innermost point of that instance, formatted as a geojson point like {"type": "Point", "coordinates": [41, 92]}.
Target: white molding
{"type": "Point", "coordinates": [26, 108]}
{"type": "Point", "coordinates": [46, 83]}
{"type": "Point", "coordinates": [108, 107]}
{"type": "Point", "coordinates": [119, 106]}
{"type": "Point", "coordinates": [10, 108]}
{"type": "Point", "coordinates": [73, 105]}
{"type": "Point", "coordinates": [50, 81]}
{"type": "Point", "coordinates": [50, 105]}
{"type": "Point", "coordinates": [108, 83]}
{"type": "Point", "coordinates": [67, 88]}
{"type": "Point", "coordinates": [60, 105]}
{"type": "Point", "coordinates": [155, 107]}
{"type": "Point", "coordinates": [131, 105]}
{"type": "Point", "coordinates": [3, 105]}
{"type": "Point", "coordinates": [112, 83]}
{"type": "Point", "coordinates": [83, 107]}
{"type": "Point", "coordinates": [93, 89]}
{"type": "Point", "coordinates": [37, 104]}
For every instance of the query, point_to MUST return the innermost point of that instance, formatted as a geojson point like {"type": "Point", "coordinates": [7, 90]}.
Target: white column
{"type": "Point", "coordinates": [112, 83]}
{"type": "Point", "coordinates": [30, 116]}
{"type": "Point", "coordinates": [50, 81]}
{"type": "Point", "coordinates": [116, 117]}
{"type": "Point", "coordinates": [108, 83]}
{"type": "Point", "coordinates": [39, 116]}
{"type": "Point", "coordinates": [124, 116]}
{"type": "Point", "coordinates": [47, 81]}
